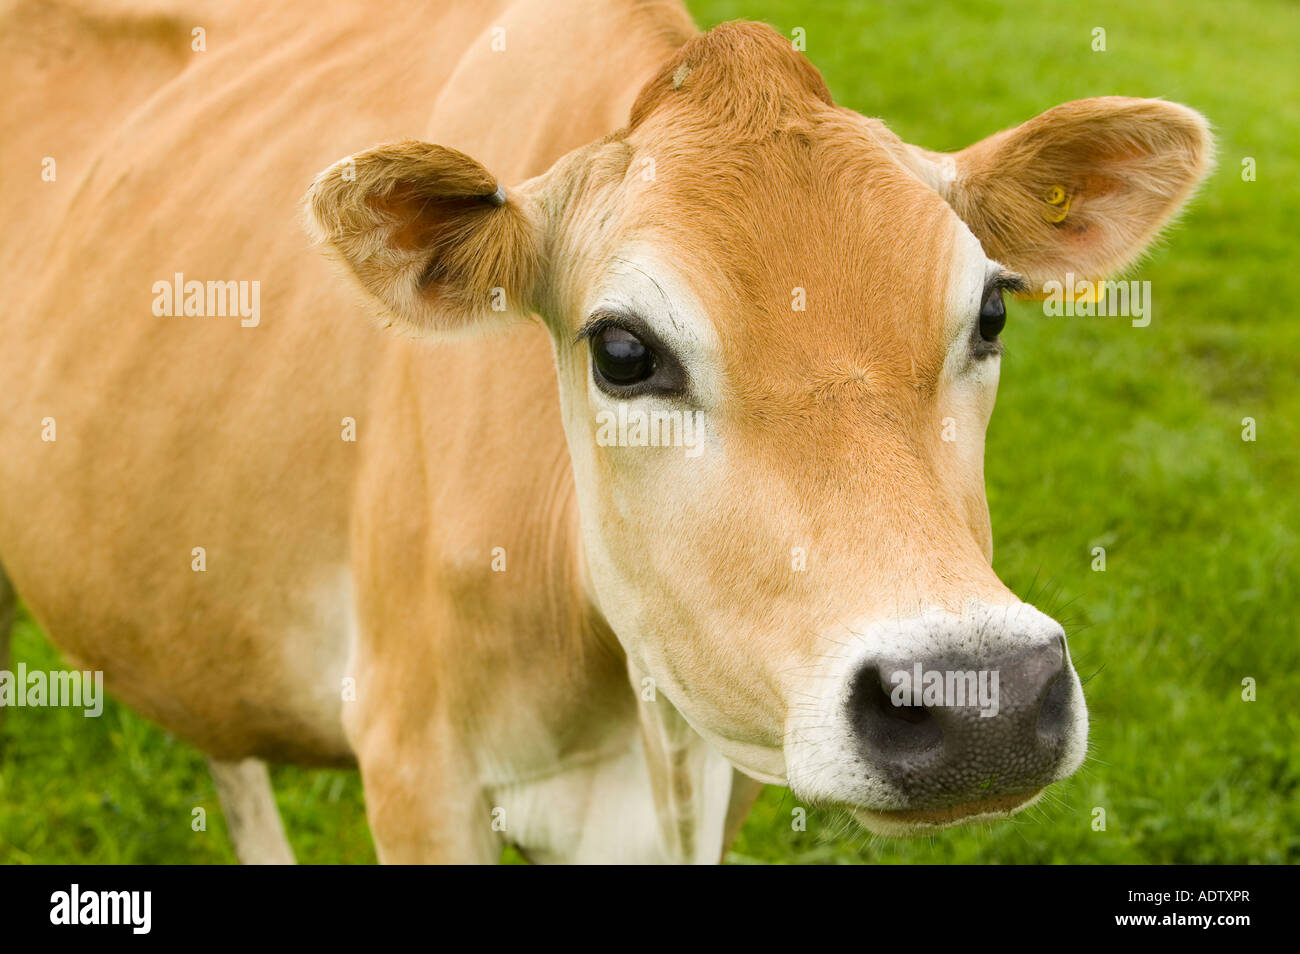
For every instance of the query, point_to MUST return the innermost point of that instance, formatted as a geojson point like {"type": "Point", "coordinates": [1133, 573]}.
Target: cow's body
{"type": "Point", "coordinates": [479, 600]}
{"type": "Point", "coordinates": [176, 433]}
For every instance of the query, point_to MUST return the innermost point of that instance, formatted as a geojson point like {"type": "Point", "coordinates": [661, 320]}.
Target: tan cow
{"type": "Point", "coordinates": [286, 533]}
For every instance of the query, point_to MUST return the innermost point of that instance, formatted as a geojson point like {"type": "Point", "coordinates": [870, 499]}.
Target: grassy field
{"type": "Point", "coordinates": [1105, 435]}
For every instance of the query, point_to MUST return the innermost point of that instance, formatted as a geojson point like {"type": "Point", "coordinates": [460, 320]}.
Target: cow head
{"type": "Point", "coordinates": [807, 312]}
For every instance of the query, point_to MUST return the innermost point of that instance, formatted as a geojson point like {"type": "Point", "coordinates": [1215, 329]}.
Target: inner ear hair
{"type": "Point", "coordinates": [429, 233]}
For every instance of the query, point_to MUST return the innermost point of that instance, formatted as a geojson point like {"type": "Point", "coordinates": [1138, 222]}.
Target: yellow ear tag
{"type": "Point", "coordinates": [1056, 196]}
{"type": "Point", "coordinates": [1069, 290]}
{"type": "Point", "coordinates": [1090, 291]}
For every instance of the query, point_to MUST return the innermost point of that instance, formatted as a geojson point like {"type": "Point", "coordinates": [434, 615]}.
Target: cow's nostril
{"type": "Point", "coordinates": [1054, 716]}
{"type": "Point", "coordinates": [913, 714]}
{"type": "Point", "coordinates": [893, 733]}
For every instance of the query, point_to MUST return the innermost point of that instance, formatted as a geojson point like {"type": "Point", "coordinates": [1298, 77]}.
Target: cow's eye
{"type": "Point", "coordinates": [993, 314]}
{"type": "Point", "coordinates": [620, 358]}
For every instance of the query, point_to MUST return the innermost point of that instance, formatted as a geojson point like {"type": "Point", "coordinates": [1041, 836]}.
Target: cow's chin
{"type": "Point", "coordinates": [912, 823]}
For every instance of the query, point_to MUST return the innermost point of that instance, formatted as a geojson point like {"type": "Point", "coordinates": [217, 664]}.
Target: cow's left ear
{"type": "Point", "coordinates": [1083, 188]}
{"type": "Point", "coordinates": [430, 234]}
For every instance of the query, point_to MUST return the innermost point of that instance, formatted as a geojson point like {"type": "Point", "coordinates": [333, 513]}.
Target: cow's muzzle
{"type": "Point", "coordinates": [942, 720]}
{"type": "Point", "coordinates": [957, 729]}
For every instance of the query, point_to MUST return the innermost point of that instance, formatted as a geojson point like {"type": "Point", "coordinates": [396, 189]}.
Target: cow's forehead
{"type": "Point", "coordinates": [813, 250]}
{"type": "Point", "coordinates": [821, 261]}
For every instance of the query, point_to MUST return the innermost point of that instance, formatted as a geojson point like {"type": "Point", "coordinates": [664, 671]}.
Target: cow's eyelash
{"type": "Point", "coordinates": [1010, 281]}
{"type": "Point", "coordinates": [594, 325]}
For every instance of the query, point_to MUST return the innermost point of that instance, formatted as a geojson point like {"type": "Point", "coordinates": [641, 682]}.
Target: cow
{"type": "Point", "coordinates": [571, 419]}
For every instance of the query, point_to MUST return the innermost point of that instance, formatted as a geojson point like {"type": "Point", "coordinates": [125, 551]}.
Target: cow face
{"type": "Point", "coordinates": [777, 332]}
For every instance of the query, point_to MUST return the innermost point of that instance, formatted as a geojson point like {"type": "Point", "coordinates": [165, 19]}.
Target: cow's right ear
{"type": "Point", "coordinates": [1083, 188]}
{"type": "Point", "coordinates": [430, 234]}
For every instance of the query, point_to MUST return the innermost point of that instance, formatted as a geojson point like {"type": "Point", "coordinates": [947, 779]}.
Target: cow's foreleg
{"type": "Point", "coordinates": [422, 798]}
{"type": "Point", "coordinates": [248, 802]}
{"type": "Point", "coordinates": [422, 804]}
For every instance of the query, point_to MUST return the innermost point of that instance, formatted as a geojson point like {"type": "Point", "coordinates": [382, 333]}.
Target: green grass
{"type": "Point", "coordinates": [1105, 435]}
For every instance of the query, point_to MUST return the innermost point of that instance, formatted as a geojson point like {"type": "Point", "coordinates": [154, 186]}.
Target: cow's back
{"type": "Point", "coordinates": [177, 433]}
